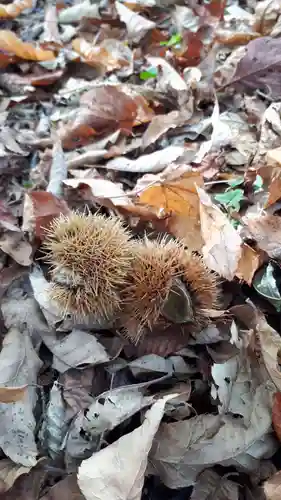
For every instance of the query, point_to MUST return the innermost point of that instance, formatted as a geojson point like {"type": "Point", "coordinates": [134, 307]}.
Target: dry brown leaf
{"type": "Point", "coordinates": [276, 414]}
{"type": "Point", "coordinates": [266, 231]}
{"type": "Point", "coordinates": [160, 124]}
{"type": "Point", "coordinates": [103, 109]}
{"type": "Point", "coordinates": [51, 36]}
{"type": "Point", "coordinates": [248, 264]}
{"type": "Point", "coordinates": [270, 343]}
{"type": "Point", "coordinates": [66, 489]}
{"type": "Point", "coordinates": [173, 192]}
{"type": "Point", "coordinates": [272, 487]}
{"type": "Point", "coordinates": [15, 83]}
{"type": "Point", "coordinates": [95, 55]}
{"type": "Point", "coordinates": [11, 46]}
{"type": "Point", "coordinates": [223, 245]}
{"type": "Point", "coordinates": [15, 8]}
{"type": "Point", "coordinates": [9, 472]}
{"type": "Point", "coordinates": [12, 394]}
{"type": "Point", "coordinates": [274, 190]}
{"type": "Point", "coordinates": [40, 208]}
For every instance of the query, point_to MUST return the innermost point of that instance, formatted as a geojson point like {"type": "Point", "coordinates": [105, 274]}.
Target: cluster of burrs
{"type": "Point", "coordinates": [99, 270]}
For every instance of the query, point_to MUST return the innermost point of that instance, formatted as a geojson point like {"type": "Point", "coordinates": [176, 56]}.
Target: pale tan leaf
{"type": "Point", "coordinates": [272, 487]}
{"type": "Point", "coordinates": [15, 8]}
{"type": "Point", "coordinates": [102, 190]}
{"type": "Point", "coordinates": [19, 365]}
{"type": "Point", "coordinates": [137, 26]}
{"type": "Point", "coordinates": [115, 472]}
{"type": "Point", "coordinates": [12, 394]}
{"type": "Point", "coordinates": [223, 245]}
{"type": "Point", "coordinates": [51, 36]}
{"type": "Point", "coordinates": [266, 230]}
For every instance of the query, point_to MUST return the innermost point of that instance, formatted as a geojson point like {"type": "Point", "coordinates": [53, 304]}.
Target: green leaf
{"type": "Point", "coordinates": [149, 73]}
{"type": "Point", "coordinates": [174, 40]}
{"type": "Point", "coordinates": [231, 199]}
{"type": "Point", "coordinates": [265, 284]}
{"type": "Point", "coordinates": [235, 182]}
{"type": "Point", "coordinates": [258, 184]}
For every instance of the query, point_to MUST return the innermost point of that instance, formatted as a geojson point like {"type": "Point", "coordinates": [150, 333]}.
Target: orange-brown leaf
{"type": "Point", "coordinates": [276, 414]}
{"type": "Point", "coordinates": [249, 262]}
{"type": "Point", "coordinates": [11, 46]}
{"type": "Point", "coordinates": [14, 9]}
{"type": "Point", "coordinates": [177, 196]}
{"type": "Point", "coordinates": [96, 55]}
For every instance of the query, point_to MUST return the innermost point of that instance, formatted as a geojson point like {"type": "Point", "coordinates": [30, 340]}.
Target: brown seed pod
{"type": "Point", "coordinates": [167, 283]}
{"type": "Point", "coordinates": [90, 257]}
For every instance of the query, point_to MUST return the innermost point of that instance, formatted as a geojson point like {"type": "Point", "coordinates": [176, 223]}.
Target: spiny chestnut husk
{"type": "Point", "coordinates": [90, 257]}
{"type": "Point", "coordinates": [168, 284]}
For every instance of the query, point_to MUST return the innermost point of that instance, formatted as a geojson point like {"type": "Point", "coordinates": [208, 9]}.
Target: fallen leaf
{"type": "Point", "coordinates": [12, 394]}
{"type": "Point", "coordinates": [160, 124]}
{"type": "Point", "coordinates": [103, 191]}
{"type": "Point", "coordinates": [51, 36]}
{"type": "Point", "coordinates": [270, 343]}
{"type": "Point", "coordinates": [260, 67]}
{"type": "Point", "coordinates": [9, 472]}
{"type": "Point", "coordinates": [272, 487]}
{"type": "Point", "coordinates": [209, 484]}
{"type": "Point", "coordinates": [153, 162]}
{"type": "Point", "coordinates": [15, 8]}
{"type": "Point", "coordinates": [75, 13]}
{"type": "Point", "coordinates": [11, 46]}
{"type": "Point", "coordinates": [19, 366]}
{"type": "Point", "coordinates": [103, 109]}
{"type": "Point", "coordinates": [137, 26]}
{"type": "Point", "coordinates": [96, 55]}
{"type": "Point", "coordinates": [14, 244]}
{"type": "Point", "coordinates": [182, 450]}
{"type": "Point", "coordinates": [173, 192]}
{"type": "Point", "coordinates": [169, 78]}
{"type": "Point", "coordinates": [40, 208]}
{"type": "Point", "coordinates": [58, 171]}
{"type": "Point", "coordinates": [113, 407]}
{"type": "Point", "coordinates": [248, 264]}
{"type": "Point", "coordinates": [223, 245]}
{"type": "Point", "coordinates": [115, 469]}
{"type": "Point", "coordinates": [55, 423]}
{"type": "Point", "coordinates": [276, 414]}
{"type": "Point", "coordinates": [66, 489]}
{"type": "Point", "coordinates": [266, 231]}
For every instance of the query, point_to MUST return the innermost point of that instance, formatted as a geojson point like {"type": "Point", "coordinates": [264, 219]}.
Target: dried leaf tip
{"type": "Point", "coordinates": [90, 256]}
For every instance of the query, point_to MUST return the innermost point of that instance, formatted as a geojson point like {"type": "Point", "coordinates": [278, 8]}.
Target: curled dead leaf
{"type": "Point", "coordinates": [11, 46]}
{"type": "Point", "coordinates": [266, 231]}
{"type": "Point", "coordinates": [276, 414]}
{"type": "Point", "coordinates": [15, 8]}
{"type": "Point", "coordinates": [104, 108]}
{"type": "Point", "coordinates": [272, 487]}
{"type": "Point", "coordinates": [223, 245]}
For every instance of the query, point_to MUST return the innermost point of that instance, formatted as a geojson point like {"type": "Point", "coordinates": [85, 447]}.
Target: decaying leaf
{"type": "Point", "coordinates": [103, 109]}
{"type": "Point", "coordinates": [276, 414]}
{"type": "Point", "coordinates": [266, 230]}
{"type": "Point", "coordinates": [260, 66]}
{"type": "Point", "coordinates": [9, 472]}
{"type": "Point", "coordinates": [113, 407]}
{"type": "Point", "coordinates": [270, 342]}
{"type": "Point", "coordinates": [15, 8]}
{"type": "Point", "coordinates": [223, 245]}
{"type": "Point", "coordinates": [115, 469]}
{"type": "Point", "coordinates": [19, 365]}
{"type": "Point", "coordinates": [183, 449]}
{"type": "Point", "coordinates": [137, 25]}
{"type": "Point", "coordinates": [209, 484]}
{"type": "Point", "coordinates": [153, 162]}
{"type": "Point", "coordinates": [12, 394]}
{"type": "Point", "coordinates": [12, 47]}
{"type": "Point", "coordinates": [40, 208]}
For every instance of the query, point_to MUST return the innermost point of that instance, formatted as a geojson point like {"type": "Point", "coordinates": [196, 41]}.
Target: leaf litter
{"type": "Point", "coordinates": [140, 250]}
